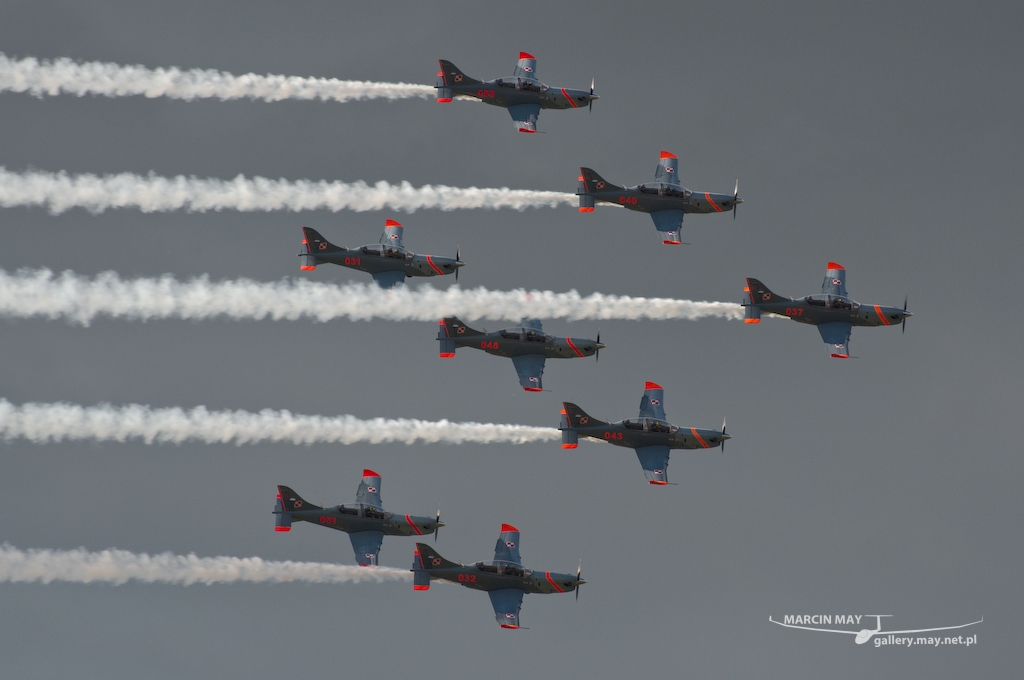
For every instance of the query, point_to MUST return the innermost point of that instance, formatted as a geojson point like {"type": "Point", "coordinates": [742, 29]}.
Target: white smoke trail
{"type": "Point", "coordinates": [120, 566]}
{"type": "Point", "coordinates": [58, 192]}
{"type": "Point", "coordinates": [64, 76]}
{"type": "Point", "coordinates": [37, 293]}
{"type": "Point", "coordinates": [44, 423]}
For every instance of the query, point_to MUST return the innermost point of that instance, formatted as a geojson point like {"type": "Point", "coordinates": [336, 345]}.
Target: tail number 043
{"type": "Point", "coordinates": [613, 435]}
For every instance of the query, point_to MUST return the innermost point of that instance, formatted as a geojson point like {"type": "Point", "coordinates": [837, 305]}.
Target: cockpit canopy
{"type": "Point", "coordinates": [386, 250]}
{"type": "Point", "coordinates": [649, 425]}
{"type": "Point", "coordinates": [504, 568]}
{"type": "Point", "coordinates": [664, 189]}
{"type": "Point", "coordinates": [529, 84]}
{"type": "Point", "coordinates": [365, 510]}
{"type": "Point", "coordinates": [526, 334]}
{"type": "Point", "coordinates": [831, 301]}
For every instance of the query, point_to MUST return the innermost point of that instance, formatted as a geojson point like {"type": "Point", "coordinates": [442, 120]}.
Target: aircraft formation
{"type": "Point", "coordinates": [529, 346]}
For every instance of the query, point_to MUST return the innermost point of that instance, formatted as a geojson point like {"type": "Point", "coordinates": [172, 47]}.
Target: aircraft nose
{"type": "Point", "coordinates": [725, 436]}
{"type": "Point", "coordinates": [906, 313]}
{"type": "Point", "coordinates": [580, 581]}
{"type": "Point", "coordinates": [441, 524]}
{"type": "Point", "coordinates": [600, 346]}
{"type": "Point", "coordinates": [459, 264]}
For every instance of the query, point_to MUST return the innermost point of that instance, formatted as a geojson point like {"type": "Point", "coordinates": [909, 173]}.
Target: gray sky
{"type": "Point", "coordinates": [885, 138]}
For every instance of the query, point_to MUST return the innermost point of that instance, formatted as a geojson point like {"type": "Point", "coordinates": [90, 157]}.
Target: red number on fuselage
{"type": "Point", "coordinates": [613, 435]}
{"type": "Point", "coordinates": [467, 578]}
{"type": "Point", "coordinates": [627, 200]}
{"type": "Point", "coordinates": [794, 311]}
{"type": "Point", "coordinates": [353, 260]}
{"type": "Point", "coordinates": [493, 344]}
{"type": "Point", "coordinates": [324, 519]}
{"type": "Point", "coordinates": [485, 93]}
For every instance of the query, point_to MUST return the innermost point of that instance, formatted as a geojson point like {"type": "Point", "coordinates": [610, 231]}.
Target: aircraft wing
{"type": "Point", "coordinates": [506, 603]}
{"type": "Point", "coordinates": [530, 368]}
{"type": "Point", "coordinates": [837, 338]}
{"type": "Point", "coordinates": [654, 461]}
{"type": "Point", "coordinates": [389, 279]}
{"type": "Point", "coordinates": [525, 116]}
{"type": "Point", "coordinates": [366, 545]}
{"type": "Point", "coordinates": [668, 223]}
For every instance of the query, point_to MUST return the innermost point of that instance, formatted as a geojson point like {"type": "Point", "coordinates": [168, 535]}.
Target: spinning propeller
{"type": "Point", "coordinates": [723, 435]}
{"type": "Point", "coordinates": [736, 198]}
{"type": "Point", "coordinates": [579, 581]}
{"type": "Point", "coordinates": [904, 314]}
{"type": "Point", "coordinates": [458, 251]}
{"type": "Point", "coordinates": [437, 519]}
{"type": "Point", "coordinates": [591, 106]}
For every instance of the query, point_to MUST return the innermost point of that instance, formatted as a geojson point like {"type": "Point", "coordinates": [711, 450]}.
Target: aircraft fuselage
{"type": "Point", "coordinates": [501, 345]}
{"type": "Point", "coordinates": [490, 576]}
{"type": "Point", "coordinates": [374, 260]}
{"type": "Point", "coordinates": [650, 432]}
{"type": "Point", "coordinates": [654, 198]}
{"type": "Point", "coordinates": [352, 519]}
{"type": "Point", "coordinates": [511, 91]}
{"type": "Point", "coordinates": [819, 309]}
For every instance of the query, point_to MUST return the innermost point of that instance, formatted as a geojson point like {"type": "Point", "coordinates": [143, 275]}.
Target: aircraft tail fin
{"type": "Point", "coordinates": [591, 182]}
{"type": "Point", "coordinates": [313, 243]}
{"type": "Point", "coordinates": [451, 75]}
{"type": "Point", "coordinates": [424, 560]}
{"type": "Point", "coordinates": [449, 329]}
{"type": "Point", "coordinates": [287, 502]}
{"type": "Point", "coordinates": [668, 168]}
{"type": "Point", "coordinates": [756, 294]}
{"type": "Point", "coordinates": [572, 417]}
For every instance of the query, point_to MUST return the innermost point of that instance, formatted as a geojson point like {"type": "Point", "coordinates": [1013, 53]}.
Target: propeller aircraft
{"type": "Point", "coordinates": [505, 578]}
{"type": "Point", "coordinates": [526, 344]}
{"type": "Point", "coordinates": [365, 521]}
{"type": "Point", "coordinates": [650, 435]}
{"type": "Point", "coordinates": [521, 93]}
{"type": "Point", "coordinates": [833, 312]}
{"type": "Point", "coordinates": [665, 199]}
{"type": "Point", "coordinates": [388, 261]}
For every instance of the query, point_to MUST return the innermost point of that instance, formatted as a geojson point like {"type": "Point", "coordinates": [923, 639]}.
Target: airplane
{"type": "Point", "coordinates": [365, 521]}
{"type": "Point", "coordinates": [665, 199]}
{"type": "Point", "coordinates": [832, 312]}
{"type": "Point", "coordinates": [650, 435]}
{"type": "Point", "coordinates": [387, 260]}
{"type": "Point", "coordinates": [521, 93]}
{"type": "Point", "coordinates": [505, 578]}
{"type": "Point", "coordinates": [866, 634]}
{"type": "Point", "coordinates": [526, 344]}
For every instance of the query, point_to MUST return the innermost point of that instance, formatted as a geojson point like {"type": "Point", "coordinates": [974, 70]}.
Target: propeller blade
{"type": "Point", "coordinates": [591, 106]}
{"type": "Point", "coordinates": [578, 570]}
{"type": "Point", "coordinates": [597, 353]}
{"type": "Point", "coordinates": [437, 524]}
{"type": "Point", "coordinates": [458, 252]}
{"type": "Point", "coordinates": [904, 316]}
{"type": "Point", "coordinates": [723, 435]}
{"type": "Point", "coordinates": [735, 195]}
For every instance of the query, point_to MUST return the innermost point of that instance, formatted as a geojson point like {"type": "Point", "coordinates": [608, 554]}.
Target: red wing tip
{"type": "Point", "coordinates": [533, 389]}
{"type": "Point", "coordinates": [751, 321]}
{"type": "Point", "coordinates": [447, 355]}
{"type": "Point", "coordinates": [421, 587]}
{"type": "Point", "coordinates": [669, 243]}
{"type": "Point", "coordinates": [443, 100]}
{"type": "Point", "coordinates": [526, 55]}
{"type": "Point", "coordinates": [652, 386]}
{"type": "Point", "coordinates": [656, 482]}
{"type": "Point", "coordinates": [569, 446]}
{"type": "Point", "coordinates": [836, 265]}
{"type": "Point", "coordinates": [392, 223]}
{"type": "Point", "coordinates": [505, 625]}
{"type": "Point", "coordinates": [509, 527]}
{"type": "Point", "coordinates": [307, 268]}
{"type": "Point", "coordinates": [370, 473]}
{"type": "Point", "coordinates": [840, 356]}
{"type": "Point", "coordinates": [592, 210]}
{"type": "Point", "coordinates": [529, 132]}
{"type": "Point", "coordinates": [666, 154]}
{"type": "Point", "coordinates": [282, 528]}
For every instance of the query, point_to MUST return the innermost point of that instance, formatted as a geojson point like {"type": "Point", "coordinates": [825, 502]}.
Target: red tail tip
{"type": "Point", "coordinates": [652, 386]}
{"type": "Point", "coordinates": [392, 223]}
{"type": "Point", "coordinates": [751, 321]}
{"type": "Point", "coordinates": [666, 154]}
{"type": "Point", "coordinates": [509, 527]}
{"type": "Point", "coordinates": [524, 55]}
{"type": "Point", "coordinates": [370, 473]}
{"type": "Point", "coordinates": [447, 355]}
{"type": "Point", "coordinates": [584, 209]}
{"type": "Point", "coordinates": [440, 73]}
{"type": "Point", "coordinates": [836, 265]}
{"type": "Point", "coordinates": [421, 587]}
{"type": "Point", "coordinates": [282, 528]}
{"type": "Point", "coordinates": [307, 267]}
{"type": "Point", "coordinates": [443, 100]}
{"type": "Point", "coordinates": [569, 446]}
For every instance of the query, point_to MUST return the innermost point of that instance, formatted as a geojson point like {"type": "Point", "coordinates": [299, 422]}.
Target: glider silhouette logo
{"type": "Point", "coordinates": [814, 622]}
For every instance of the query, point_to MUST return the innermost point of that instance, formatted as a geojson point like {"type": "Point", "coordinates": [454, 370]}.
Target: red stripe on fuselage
{"type": "Point", "coordinates": [547, 575]}
{"type": "Point", "coordinates": [569, 98]}
{"type": "Point", "coordinates": [578, 353]}
{"type": "Point", "coordinates": [878, 311]}
{"type": "Point", "coordinates": [713, 204]}
{"type": "Point", "coordinates": [413, 525]}
{"type": "Point", "coordinates": [434, 266]}
{"type": "Point", "coordinates": [702, 442]}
